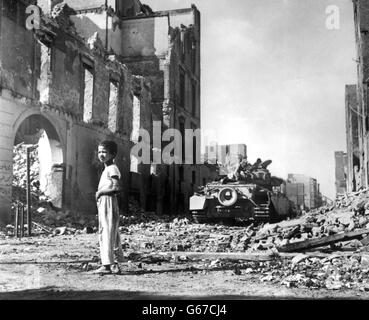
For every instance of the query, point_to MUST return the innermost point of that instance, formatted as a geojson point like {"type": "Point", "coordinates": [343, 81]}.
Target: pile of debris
{"type": "Point", "coordinates": [136, 214]}
{"type": "Point", "coordinates": [56, 218]}
{"type": "Point", "coordinates": [341, 229]}
{"type": "Point", "coordinates": [20, 165]}
{"type": "Point", "coordinates": [336, 271]}
{"type": "Point", "coordinates": [338, 227]}
{"type": "Point", "coordinates": [333, 230]}
{"type": "Point", "coordinates": [19, 183]}
{"type": "Point", "coordinates": [64, 218]}
{"type": "Point", "coordinates": [312, 271]}
{"type": "Point", "coordinates": [357, 201]}
{"type": "Point", "coordinates": [50, 220]}
{"type": "Point", "coordinates": [47, 221]}
{"type": "Point", "coordinates": [166, 233]}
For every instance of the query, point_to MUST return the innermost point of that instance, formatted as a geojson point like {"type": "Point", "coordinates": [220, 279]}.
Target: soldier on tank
{"type": "Point", "coordinates": [257, 164]}
{"type": "Point", "coordinates": [243, 169]}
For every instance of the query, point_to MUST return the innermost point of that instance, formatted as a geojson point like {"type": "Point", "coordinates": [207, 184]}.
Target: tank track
{"type": "Point", "coordinates": [262, 212]}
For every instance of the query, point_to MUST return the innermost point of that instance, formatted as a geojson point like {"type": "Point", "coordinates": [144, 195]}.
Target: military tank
{"type": "Point", "coordinates": [254, 195]}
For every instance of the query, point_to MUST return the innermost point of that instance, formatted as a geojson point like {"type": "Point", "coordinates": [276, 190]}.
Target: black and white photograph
{"type": "Point", "coordinates": [184, 150]}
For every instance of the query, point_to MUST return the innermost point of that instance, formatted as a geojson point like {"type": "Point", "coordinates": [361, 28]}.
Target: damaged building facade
{"type": "Point", "coordinates": [163, 47]}
{"type": "Point", "coordinates": [93, 72]}
{"type": "Point", "coordinates": [357, 117]}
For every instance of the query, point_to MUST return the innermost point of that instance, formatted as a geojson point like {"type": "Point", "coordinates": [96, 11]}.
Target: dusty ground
{"type": "Point", "coordinates": [56, 277]}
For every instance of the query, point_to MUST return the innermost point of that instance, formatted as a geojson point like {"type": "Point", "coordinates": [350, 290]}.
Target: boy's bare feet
{"type": "Point", "coordinates": [115, 269]}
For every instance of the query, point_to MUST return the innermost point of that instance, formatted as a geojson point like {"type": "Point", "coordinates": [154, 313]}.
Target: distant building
{"type": "Point", "coordinates": [341, 172]}
{"type": "Point", "coordinates": [227, 156]}
{"type": "Point", "coordinates": [222, 153]}
{"type": "Point", "coordinates": [296, 193]}
{"type": "Point", "coordinates": [303, 191]}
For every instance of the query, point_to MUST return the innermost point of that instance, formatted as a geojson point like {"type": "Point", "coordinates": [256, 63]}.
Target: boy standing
{"type": "Point", "coordinates": [108, 209]}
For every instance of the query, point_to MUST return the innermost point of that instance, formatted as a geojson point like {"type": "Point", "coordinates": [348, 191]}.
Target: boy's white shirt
{"type": "Point", "coordinates": [105, 180]}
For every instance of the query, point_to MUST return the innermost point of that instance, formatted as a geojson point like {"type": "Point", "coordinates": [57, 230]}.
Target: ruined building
{"type": "Point", "coordinates": [56, 83]}
{"type": "Point", "coordinates": [361, 21]}
{"type": "Point", "coordinates": [163, 47]}
{"type": "Point", "coordinates": [91, 72]}
{"type": "Point", "coordinates": [352, 139]}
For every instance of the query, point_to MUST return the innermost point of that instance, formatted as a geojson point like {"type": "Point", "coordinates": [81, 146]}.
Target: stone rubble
{"type": "Point", "coordinates": [338, 271]}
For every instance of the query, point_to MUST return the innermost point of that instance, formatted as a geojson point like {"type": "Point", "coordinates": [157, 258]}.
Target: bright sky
{"type": "Point", "coordinates": [273, 77]}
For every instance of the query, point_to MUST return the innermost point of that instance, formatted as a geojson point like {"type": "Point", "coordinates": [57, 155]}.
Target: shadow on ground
{"type": "Point", "coordinates": [57, 294]}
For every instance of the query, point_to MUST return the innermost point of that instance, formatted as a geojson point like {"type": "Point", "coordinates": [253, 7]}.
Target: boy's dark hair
{"type": "Point", "coordinates": [111, 146]}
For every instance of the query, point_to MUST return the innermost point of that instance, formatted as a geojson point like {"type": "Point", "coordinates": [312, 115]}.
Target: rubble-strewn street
{"type": "Point", "coordinates": [322, 253]}
{"type": "Point", "coordinates": [167, 149]}
{"type": "Point", "coordinates": [169, 256]}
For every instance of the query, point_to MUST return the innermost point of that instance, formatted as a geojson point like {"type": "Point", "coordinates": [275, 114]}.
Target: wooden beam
{"type": "Point", "coordinates": [314, 243]}
{"type": "Point", "coordinates": [244, 256]}
{"type": "Point", "coordinates": [41, 227]}
{"type": "Point", "coordinates": [267, 256]}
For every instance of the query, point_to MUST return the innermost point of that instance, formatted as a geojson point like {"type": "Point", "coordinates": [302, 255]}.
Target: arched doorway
{"type": "Point", "coordinates": [37, 134]}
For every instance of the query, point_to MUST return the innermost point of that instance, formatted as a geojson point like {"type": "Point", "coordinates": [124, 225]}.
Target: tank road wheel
{"type": "Point", "coordinates": [227, 197]}
{"type": "Point", "coordinates": [199, 216]}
